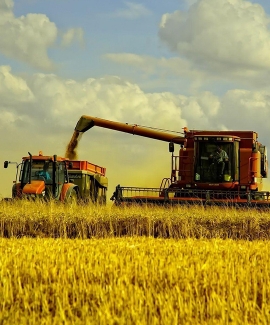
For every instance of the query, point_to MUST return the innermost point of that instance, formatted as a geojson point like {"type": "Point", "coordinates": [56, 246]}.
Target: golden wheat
{"type": "Point", "coordinates": [135, 280]}
{"type": "Point", "coordinates": [23, 218]}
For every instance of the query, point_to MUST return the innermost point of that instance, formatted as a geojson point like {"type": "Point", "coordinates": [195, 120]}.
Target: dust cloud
{"type": "Point", "coordinates": [72, 146]}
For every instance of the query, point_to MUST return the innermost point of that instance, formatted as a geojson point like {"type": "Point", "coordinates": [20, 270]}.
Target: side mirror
{"type": "Point", "coordinates": [6, 164]}
{"type": "Point", "coordinates": [171, 147]}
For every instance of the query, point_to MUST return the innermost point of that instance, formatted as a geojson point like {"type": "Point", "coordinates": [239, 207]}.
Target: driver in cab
{"type": "Point", "coordinates": [219, 157]}
{"type": "Point", "coordinates": [44, 173]}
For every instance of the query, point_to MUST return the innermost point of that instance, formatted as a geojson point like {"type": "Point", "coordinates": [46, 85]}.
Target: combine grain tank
{"type": "Point", "coordinates": [211, 167]}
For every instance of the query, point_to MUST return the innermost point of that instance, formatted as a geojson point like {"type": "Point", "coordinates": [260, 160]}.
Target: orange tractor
{"type": "Point", "coordinates": [54, 177]}
{"type": "Point", "coordinates": [212, 167]}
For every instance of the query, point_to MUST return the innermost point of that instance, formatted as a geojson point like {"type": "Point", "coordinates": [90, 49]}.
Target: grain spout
{"type": "Point", "coordinates": [72, 146]}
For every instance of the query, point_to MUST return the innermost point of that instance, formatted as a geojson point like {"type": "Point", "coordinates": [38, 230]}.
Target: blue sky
{"type": "Point", "coordinates": [109, 26]}
{"type": "Point", "coordinates": [204, 64]}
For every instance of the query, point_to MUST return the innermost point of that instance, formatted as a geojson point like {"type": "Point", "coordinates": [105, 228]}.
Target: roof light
{"type": "Point", "coordinates": [40, 153]}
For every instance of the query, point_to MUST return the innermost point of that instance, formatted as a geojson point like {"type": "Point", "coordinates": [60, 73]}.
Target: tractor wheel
{"type": "Point", "coordinates": [72, 197]}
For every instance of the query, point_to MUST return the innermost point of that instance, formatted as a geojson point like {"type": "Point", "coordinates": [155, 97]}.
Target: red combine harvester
{"type": "Point", "coordinates": [58, 178]}
{"type": "Point", "coordinates": [212, 167]}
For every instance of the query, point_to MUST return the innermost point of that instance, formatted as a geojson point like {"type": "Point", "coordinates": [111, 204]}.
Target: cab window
{"type": "Point", "coordinates": [214, 162]}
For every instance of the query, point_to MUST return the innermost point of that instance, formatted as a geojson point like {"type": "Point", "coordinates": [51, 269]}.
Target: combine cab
{"type": "Point", "coordinates": [212, 167]}
{"type": "Point", "coordinates": [54, 177]}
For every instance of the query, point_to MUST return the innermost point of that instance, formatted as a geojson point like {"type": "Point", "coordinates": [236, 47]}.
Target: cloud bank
{"type": "Point", "coordinates": [49, 103]}
{"type": "Point", "coordinates": [220, 35]}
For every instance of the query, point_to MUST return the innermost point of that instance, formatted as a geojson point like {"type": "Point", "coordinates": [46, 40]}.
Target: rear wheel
{"type": "Point", "coordinates": [72, 197]}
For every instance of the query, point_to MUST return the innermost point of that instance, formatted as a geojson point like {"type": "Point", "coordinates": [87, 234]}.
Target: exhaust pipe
{"type": "Point", "coordinates": [54, 185]}
{"type": "Point", "coordinates": [30, 167]}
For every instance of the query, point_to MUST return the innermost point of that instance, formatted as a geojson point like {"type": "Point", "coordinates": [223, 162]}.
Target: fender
{"type": "Point", "coordinates": [67, 189]}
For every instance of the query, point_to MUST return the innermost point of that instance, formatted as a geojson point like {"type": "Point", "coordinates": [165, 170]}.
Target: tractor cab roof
{"type": "Point", "coordinates": [41, 157]}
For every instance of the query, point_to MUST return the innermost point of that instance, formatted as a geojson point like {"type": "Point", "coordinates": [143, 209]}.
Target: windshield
{"type": "Point", "coordinates": [41, 170]}
{"type": "Point", "coordinates": [215, 162]}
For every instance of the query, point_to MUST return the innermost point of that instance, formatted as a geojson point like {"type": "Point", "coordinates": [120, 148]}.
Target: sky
{"type": "Point", "coordinates": [203, 64]}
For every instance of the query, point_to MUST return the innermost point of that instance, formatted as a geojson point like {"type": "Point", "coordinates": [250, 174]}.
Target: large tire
{"type": "Point", "coordinates": [73, 198]}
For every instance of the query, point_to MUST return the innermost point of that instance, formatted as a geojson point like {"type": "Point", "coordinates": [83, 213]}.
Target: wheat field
{"type": "Point", "coordinates": [24, 218]}
{"type": "Point", "coordinates": [133, 266]}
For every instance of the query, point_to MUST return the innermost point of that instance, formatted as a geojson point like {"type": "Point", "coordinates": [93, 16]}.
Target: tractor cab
{"type": "Point", "coordinates": [216, 159]}
{"type": "Point", "coordinates": [47, 172]}
{"type": "Point", "coordinates": [40, 170]}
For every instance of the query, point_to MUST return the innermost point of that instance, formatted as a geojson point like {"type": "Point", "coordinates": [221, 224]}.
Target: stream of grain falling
{"type": "Point", "coordinates": [72, 146]}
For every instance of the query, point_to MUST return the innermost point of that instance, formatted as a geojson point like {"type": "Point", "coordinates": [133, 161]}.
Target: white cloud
{"type": "Point", "coordinates": [6, 6]}
{"type": "Point", "coordinates": [246, 109]}
{"type": "Point", "coordinates": [230, 36]}
{"type": "Point", "coordinates": [12, 86]}
{"type": "Point", "coordinates": [52, 103]}
{"type": "Point", "coordinates": [132, 11]}
{"type": "Point", "coordinates": [150, 64]}
{"type": "Point", "coordinates": [200, 111]}
{"type": "Point", "coordinates": [190, 2]}
{"type": "Point", "coordinates": [28, 38]}
{"type": "Point", "coordinates": [71, 35]}
{"type": "Point", "coordinates": [165, 67]}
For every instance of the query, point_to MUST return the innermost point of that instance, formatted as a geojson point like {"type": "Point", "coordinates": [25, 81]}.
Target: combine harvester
{"type": "Point", "coordinates": [201, 173]}
{"type": "Point", "coordinates": [58, 178]}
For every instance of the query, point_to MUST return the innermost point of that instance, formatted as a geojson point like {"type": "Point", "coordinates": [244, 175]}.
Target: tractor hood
{"type": "Point", "coordinates": [36, 187]}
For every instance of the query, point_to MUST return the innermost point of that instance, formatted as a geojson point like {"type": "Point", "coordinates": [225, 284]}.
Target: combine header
{"type": "Point", "coordinates": [58, 178]}
{"type": "Point", "coordinates": [211, 167]}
